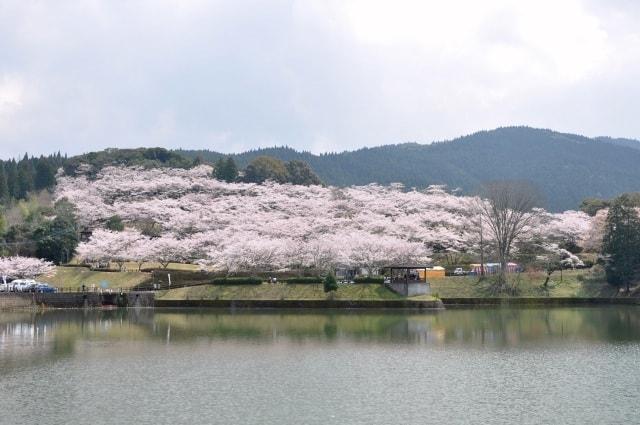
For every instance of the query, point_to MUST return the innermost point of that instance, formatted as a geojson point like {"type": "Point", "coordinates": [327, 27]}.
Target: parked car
{"type": "Point", "coordinates": [45, 288]}
{"type": "Point", "coordinates": [30, 287]}
{"type": "Point", "coordinates": [459, 272]}
{"type": "Point", "coordinates": [22, 285]}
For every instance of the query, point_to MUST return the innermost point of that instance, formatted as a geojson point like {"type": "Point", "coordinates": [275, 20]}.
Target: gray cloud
{"type": "Point", "coordinates": [316, 75]}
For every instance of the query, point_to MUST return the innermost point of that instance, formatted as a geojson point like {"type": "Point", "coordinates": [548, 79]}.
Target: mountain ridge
{"type": "Point", "coordinates": [567, 168]}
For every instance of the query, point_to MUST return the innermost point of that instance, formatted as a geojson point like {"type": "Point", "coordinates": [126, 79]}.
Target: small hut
{"type": "Point", "coordinates": [408, 280]}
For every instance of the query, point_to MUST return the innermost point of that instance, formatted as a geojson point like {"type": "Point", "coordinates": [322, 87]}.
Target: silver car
{"type": "Point", "coordinates": [22, 285]}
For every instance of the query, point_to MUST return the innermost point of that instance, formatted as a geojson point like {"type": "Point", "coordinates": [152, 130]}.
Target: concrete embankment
{"type": "Point", "coordinates": [537, 301]}
{"type": "Point", "coordinates": [147, 299]}
{"type": "Point", "coordinates": [319, 304]}
{"type": "Point", "coordinates": [76, 300]}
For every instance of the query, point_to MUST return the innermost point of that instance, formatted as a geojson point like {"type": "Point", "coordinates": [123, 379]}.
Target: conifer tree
{"type": "Point", "coordinates": [226, 169]}
{"type": "Point", "coordinates": [4, 187]}
{"type": "Point", "coordinates": [45, 174]}
{"type": "Point", "coordinates": [621, 243]}
{"type": "Point", "coordinates": [26, 174]}
{"type": "Point", "coordinates": [11, 170]}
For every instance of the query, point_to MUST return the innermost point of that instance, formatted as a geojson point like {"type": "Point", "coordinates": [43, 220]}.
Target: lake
{"type": "Point", "coordinates": [528, 365]}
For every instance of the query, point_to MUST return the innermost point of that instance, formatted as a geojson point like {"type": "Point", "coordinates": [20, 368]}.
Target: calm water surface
{"type": "Point", "coordinates": [530, 366]}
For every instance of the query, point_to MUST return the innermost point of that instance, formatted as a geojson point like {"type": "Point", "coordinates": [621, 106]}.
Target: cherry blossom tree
{"type": "Point", "coordinates": [245, 226]}
{"type": "Point", "coordinates": [24, 267]}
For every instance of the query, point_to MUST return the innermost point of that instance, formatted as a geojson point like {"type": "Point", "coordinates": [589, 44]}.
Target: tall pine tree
{"type": "Point", "coordinates": [4, 187]}
{"type": "Point", "coordinates": [45, 175]}
{"type": "Point", "coordinates": [26, 174]}
{"type": "Point", "coordinates": [11, 169]}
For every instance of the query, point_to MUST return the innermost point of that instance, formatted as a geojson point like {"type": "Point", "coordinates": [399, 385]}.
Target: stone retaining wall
{"type": "Point", "coordinates": [319, 304]}
{"type": "Point", "coordinates": [536, 301]}
{"type": "Point", "coordinates": [409, 289]}
{"type": "Point", "coordinates": [76, 299]}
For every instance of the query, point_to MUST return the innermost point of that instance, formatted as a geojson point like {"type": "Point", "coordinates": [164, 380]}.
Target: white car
{"type": "Point", "coordinates": [459, 272]}
{"type": "Point", "coordinates": [22, 285]}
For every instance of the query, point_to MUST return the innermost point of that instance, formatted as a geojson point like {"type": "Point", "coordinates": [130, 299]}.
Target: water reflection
{"type": "Point", "coordinates": [56, 333]}
{"type": "Point", "coordinates": [173, 366]}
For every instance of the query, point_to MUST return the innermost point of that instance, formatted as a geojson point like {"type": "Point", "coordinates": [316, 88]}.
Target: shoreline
{"type": "Point", "coordinates": [304, 304]}
{"type": "Point", "coordinates": [537, 301]}
{"type": "Point", "coordinates": [12, 301]}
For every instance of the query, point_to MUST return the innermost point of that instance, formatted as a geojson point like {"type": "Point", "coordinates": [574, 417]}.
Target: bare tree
{"type": "Point", "coordinates": [507, 209]}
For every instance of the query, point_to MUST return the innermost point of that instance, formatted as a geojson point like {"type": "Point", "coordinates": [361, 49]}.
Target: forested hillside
{"type": "Point", "coordinates": [566, 168]}
{"type": "Point", "coordinates": [19, 178]}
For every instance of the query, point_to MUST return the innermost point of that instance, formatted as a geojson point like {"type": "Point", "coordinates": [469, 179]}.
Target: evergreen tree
{"type": "Point", "coordinates": [4, 187]}
{"type": "Point", "coordinates": [231, 170]}
{"type": "Point", "coordinates": [57, 240]}
{"type": "Point", "coordinates": [265, 168]}
{"type": "Point", "coordinates": [226, 169]}
{"type": "Point", "coordinates": [11, 170]}
{"type": "Point", "coordinates": [26, 174]}
{"type": "Point", "coordinates": [3, 223]}
{"type": "Point", "coordinates": [330, 283]}
{"type": "Point", "coordinates": [621, 243]}
{"type": "Point", "coordinates": [45, 175]}
{"type": "Point", "coordinates": [299, 172]}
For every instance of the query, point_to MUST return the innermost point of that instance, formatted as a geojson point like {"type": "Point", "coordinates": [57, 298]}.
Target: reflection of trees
{"type": "Point", "coordinates": [43, 336]}
{"type": "Point", "coordinates": [497, 327]}
{"type": "Point", "coordinates": [33, 337]}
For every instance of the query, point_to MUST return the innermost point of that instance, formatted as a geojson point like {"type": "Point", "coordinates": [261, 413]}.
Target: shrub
{"type": "Point", "coordinates": [369, 279]}
{"type": "Point", "coordinates": [305, 280]}
{"type": "Point", "coordinates": [237, 281]}
{"type": "Point", "coordinates": [330, 283]}
{"type": "Point", "coordinates": [114, 223]}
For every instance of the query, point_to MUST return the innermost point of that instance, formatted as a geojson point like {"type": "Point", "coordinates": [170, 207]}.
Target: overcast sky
{"type": "Point", "coordinates": [231, 75]}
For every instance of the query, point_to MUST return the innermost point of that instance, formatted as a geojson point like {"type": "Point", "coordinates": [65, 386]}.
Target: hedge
{"type": "Point", "coordinates": [237, 281]}
{"type": "Point", "coordinates": [305, 279]}
{"type": "Point", "coordinates": [369, 279]}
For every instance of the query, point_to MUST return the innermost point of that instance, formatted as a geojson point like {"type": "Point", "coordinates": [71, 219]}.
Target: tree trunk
{"type": "Point", "coordinates": [546, 281]}
{"type": "Point", "coordinates": [481, 252]}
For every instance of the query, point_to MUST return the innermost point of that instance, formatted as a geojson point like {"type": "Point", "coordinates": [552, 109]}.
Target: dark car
{"type": "Point", "coordinates": [30, 287]}
{"type": "Point", "coordinates": [44, 288]}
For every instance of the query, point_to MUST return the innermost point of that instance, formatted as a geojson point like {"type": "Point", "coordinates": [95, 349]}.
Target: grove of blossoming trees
{"type": "Point", "coordinates": [244, 226]}
{"type": "Point", "coordinates": [24, 267]}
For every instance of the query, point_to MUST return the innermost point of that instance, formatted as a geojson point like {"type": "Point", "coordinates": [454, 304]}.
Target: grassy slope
{"type": "Point", "coordinates": [576, 283]}
{"type": "Point", "coordinates": [74, 277]}
{"type": "Point", "coordinates": [279, 291]}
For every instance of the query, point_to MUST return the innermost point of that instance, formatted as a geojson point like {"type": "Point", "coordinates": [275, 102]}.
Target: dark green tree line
{"type": "Point", "coordinates": [19, 178]}
{"type": "Point", "coordinates": [268, 168]}
{"type": "Point", "coordinates": [621, 243]}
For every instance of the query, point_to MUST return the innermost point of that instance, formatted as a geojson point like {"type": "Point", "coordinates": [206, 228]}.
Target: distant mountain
{"type": "Point", "coordinates": [565, 167]}
{"type": "Point", "coordinates": [630, 143]}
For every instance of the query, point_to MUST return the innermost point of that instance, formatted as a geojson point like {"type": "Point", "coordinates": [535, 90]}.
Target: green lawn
{"type": "Point", "coordinates": [574, 283]}
{"type": "Point", "coordinates": [73, 278]}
